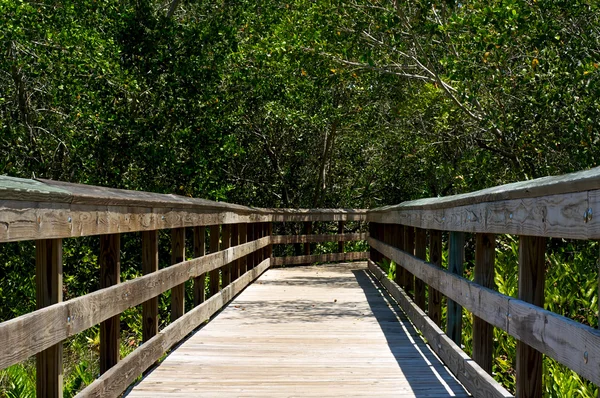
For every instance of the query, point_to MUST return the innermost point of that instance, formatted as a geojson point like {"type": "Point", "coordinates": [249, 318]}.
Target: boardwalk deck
{"type": "Point", "coordinates": [319, 331]}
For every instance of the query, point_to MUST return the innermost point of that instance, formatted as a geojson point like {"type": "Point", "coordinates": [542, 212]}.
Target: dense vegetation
{"type": "Point", "coordinates": [299, 104]}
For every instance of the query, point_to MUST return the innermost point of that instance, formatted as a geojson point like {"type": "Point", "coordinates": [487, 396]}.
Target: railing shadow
{"type": "Point", "coordinates": [423, 370]}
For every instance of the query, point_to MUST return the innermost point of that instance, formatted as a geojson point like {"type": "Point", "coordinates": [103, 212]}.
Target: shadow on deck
{"type": "Point", "coordinates": [318, 331]}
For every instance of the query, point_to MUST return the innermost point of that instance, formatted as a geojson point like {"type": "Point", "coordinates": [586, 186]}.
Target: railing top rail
{"type": "Point", "coordinates": [553, 185]}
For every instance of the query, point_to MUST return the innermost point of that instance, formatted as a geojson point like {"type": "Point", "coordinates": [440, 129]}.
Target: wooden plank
{"type": "Point", "coordinates": [49, 289]}
{"type": "Point", "coordinates": [420, 252]}
{"type": "Point", "coordinates": [289, 239]}
{"type": "Point", "coordinates": [398, 242]}
{"type": "Point", "coordinates": [409, 247]}
{"type": "Point", "coordinates": [435, 258]}
{"type": "Point", "coordinates": [483, 332]}
{"type": "Point", "coordinates": [374, 254]}
{"type": "Point", "coordinates": [31, 333]}
{"type": "Point", "coordinates": [307, 231]}
{"type": "Point", "coordinates": [214, 276]}
{"type": "Point", "coordinates": [177, 256]}
{"type": "Point", "coordinates": [110, 275]}
{"type": "Point", "coordinates": [199, 251]}
{"type": "Point", "coordinates": [313, 258]}
{"type": "Point", "coordinates": [341, 232]}
{"type": "Point", "coordinates": [342, 336]}
{"type": "Point", "coordinates": [468, 372]}
{"type": "Point", "coordinates": [115, 381]}
{"type": "Point", "coordinates": [532, 252]}
{"type": "Point", "coordinates": [149, 265]}
{"type": "Point", "coordinates": [235, 240]}
{"type": "Point", "coordinates": [250, 238]}
{"type": "Point", "coordinates": [549, 216]}
{"type": "Point", "coordinates": [456, 258]}
{"type": "Point", "coordinates": [226, 244]}
{"type": "Point", "coordinates": [554, 335]}
{"type": "Point", "coordinates": [270, 234]}
{"type": "Point", "coordinates": [243, 262]}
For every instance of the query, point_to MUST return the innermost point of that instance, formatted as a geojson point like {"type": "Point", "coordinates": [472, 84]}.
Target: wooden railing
{"type": "Point", "coordinates": [240, 249]}
{"type": "Point", "coordinates": [558, 207]}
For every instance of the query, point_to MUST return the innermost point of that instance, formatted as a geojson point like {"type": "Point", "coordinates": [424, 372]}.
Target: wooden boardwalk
{"type": "Point", "coordinates": [318, 331]}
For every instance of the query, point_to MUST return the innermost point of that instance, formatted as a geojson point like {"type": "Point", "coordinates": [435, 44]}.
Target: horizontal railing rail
{"type": "Point", "coordinates": [240, 249]}
{"type": "Point", "coordinates": [410, 234]}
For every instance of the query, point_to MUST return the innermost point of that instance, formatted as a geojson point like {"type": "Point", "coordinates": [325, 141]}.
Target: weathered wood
{"type": "Point", "coordinates": [456, 258]}
{"type": "Point", "coordinates": [250, 237]}
{"type": "Point", "coordinates": [398, 242]}
{"type": "Point", "coordinates": [31, 333]}
{"type": "Point", "coordinates": [420, 252]}
{"type": "Point", "coordinates": [226, 244]}
{"type": "Point", "coordinates": [49, 285]}
{"type": "Point", "coordinates": [270, 234]}
{"type": "Point", "coordinates": [483, 332]}
{"type": "Point", "coordinates": [307, 231]}
{"type": "Point", "coordinates": [313, 258]}
{"type": "Point", "coordinates": [149, 265]}
{"type": "Point", "coordinates": [289, 239]}
{"type": "Point", "coordinates": [235, 240]}
{"type": "Point", "coordinates": [110, 275]}
{"type": "Point", "coordinates": [177, 256]}
{"type": "Point", "coordinates": [435, 258]}
{"type": "Point", "coordinates": [341, 232]}
{"type": "Point", "coordinates": [117, 379]}
{"type": "Point", "coordinates": [312, 352]}
{"type": "Point", "coordinates": [199, 251]}
{"type": "Point", "coordinates": [243, 262]}
{"type": "Point", "coordinates": [409, 247]}
{"type": "Point", "coordinates": [374, 254]}
{"type": "Point", "coordinates": [550, 216]}
{"type": "Point", "coordinates": [475, 379]}
{"type": "Point", "coordinates": [214, 275]}
{"type": "Point", "coordinates": [554, 335]}
{"type": "Point", "coordinates": [386, 234]}
{"type": "Point", "coordinates": [531, 289]}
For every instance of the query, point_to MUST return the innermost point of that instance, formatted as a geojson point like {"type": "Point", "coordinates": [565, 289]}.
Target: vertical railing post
{"type": "Point", "coordinates": [225, 244]}
{"type": "Point", "coordinates": [397, 243]}
{"type": "Point", "coordinates": [214, 247]}
{"type": "Point", "coordinates": [341, 232]}
{"type": "Point", "coordinates": [250, 237]}
{"type": "Point", "coordinates": [483, 332]}
{"type": "Point", "coordinates": [455, 265]}
{"type": "Point", "coordinates": [199, 251]}
{"type": "Point", "coordinates": [243, 262]}
{"type": "Point", "coordinates": [235, 240]}
{"type": "Point", "coordinates": [149, 265]}
{"type": "Point", "coordinates": [435, 258]}
{"type": "Point", "coordinates": [373, 254]}
{"type": "Point", "coordinates": [307, 231]}
{"type": "Point", "coordinates": [49, 275]}
{"type": "Point", "coordinates": [409, 247]}
{"type": "Point", "coordinates": [420, 252]}
{"type": "Point", "coordinates": [110, 274]}
{"type": "Point", "coordinates": [177, 256]}
{"type": "Point", "coordinates": [532, 250]}
{"type": "Point", "coordinates": [386, 236]}
{"type": "Point", "coordinates": [270, 233]}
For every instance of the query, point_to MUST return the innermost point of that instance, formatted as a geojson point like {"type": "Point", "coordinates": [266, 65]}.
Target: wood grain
{"type": "Point", "coordinates": [532, 252]}
{"type": "Point", "coordinates": [420, 252]}
{"type": "Point", "coordinates": [340, 231]}
{"type": "Point", "coordinates": [214, 276]}
{"type": "Point", "coordinates": [314, 258]}
{"type": "Point", "coordinates": [115, 381]}
{"type": "Point", "coordinates": [110, 275]}
{"type": "Point", "coordinates": [177, 256]}
{"type": "Point", "coordinates": [468, 372]}
{"type": "Point", "coordinates": [243, 262]}
{"type": "Point", "coordinates": [435, 258]}
{"type": "Point", "coordinates": [49, 290]}
{"type": "Point", "coordinates": [456, 259]}
{"type": "Point", "coordinates": [290, 239]}
{"type": "Point", "coordinates": [235, 240]}
{"type": "Point", "coordinates": [226, 244]}
{"type": "Point", "coordinates": [36, 331]}
{"type": "Point", "coordinates": [556, 336]}
{"type": "Point", "coordinates": [307, 231]}
{"type": "Point", "coordinates": [149, 265]}
{"type": "Point", "coordinates": [483, 332]}
{"type": "Point", "coordinates": [409, 247]}
{"type": "Point", "coordinates": [199, 251]}
{"type": "Point", "coordinates": [341, 335]}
